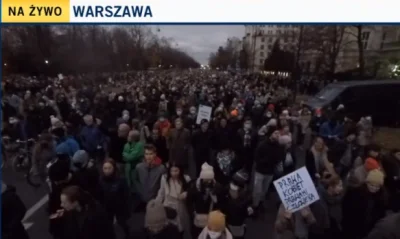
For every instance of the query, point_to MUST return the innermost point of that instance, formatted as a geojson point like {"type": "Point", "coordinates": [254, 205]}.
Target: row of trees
{"type": "Point", "coordinates": [321, 44]}
{"type": "Point", "coordinates": [79, 49]}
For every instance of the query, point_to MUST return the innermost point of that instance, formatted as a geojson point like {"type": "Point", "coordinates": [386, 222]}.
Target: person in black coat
{"type": "Point", "coordinates": [60, 178]}
{"type": "Point", "coordinates": [113, 194]}
{"type": "Point", "coordinates": [364, 206]}
{"type": "Point", "coordinates": [202, 144]}
{"type": "Point", "coordinates": [268, 156]}
{"type": "Point", "coordinates": [82, 217]}
{"type": "Point", "coordinates": [13, 211]}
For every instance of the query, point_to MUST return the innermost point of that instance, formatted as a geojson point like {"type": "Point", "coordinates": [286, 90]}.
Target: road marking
{"type": "Point", "coordinates": [27, 225]}
{"type": "Point", "coordinates": [36, 207]}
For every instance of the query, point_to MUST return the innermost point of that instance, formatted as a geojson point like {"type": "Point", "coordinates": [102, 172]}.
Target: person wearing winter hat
{"type": "Point", "coordinates": [364, 206]}
{"type": "Point", "coordinates": [85, 171]}
{"type": "Point", "coordinates": [203, 196]}
{"type": "Point", "coordinates": [237, 204]}
{"type": "Point", "coordinates": [156, 223]}
{"type": "Point", "coordinates": [216, 227]}
{"type": "Point", "coordinates": [359, 175]}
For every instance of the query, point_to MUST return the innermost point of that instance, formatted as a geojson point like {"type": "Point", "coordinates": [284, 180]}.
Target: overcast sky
{"type": "Point", "coordinates": [200, 41]}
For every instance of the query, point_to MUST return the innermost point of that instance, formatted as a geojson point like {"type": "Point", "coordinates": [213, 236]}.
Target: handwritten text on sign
{"type": "Point", "coordinates": [296, 190]}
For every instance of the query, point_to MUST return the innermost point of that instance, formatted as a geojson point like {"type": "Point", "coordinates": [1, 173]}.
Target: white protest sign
{"type": "Point", "coordinates": [296, 190]}
{"type": "Point", "coordinates": [60, 76]}
{"type": "Point", "coordinates": [203, 113]}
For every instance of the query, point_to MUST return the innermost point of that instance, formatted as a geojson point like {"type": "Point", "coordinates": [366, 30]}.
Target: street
{"type": "Point", "coordinates": [36, 221]}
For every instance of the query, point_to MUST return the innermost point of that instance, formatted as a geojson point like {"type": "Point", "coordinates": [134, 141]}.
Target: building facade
{"type": "Point", "coordinates": [259, 41]}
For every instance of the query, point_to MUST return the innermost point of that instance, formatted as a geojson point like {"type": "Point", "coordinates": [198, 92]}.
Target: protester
{"type": "Point", "coordinates": [113, 194]}
{"type": "Point", "coordinates": [216, 227]}
{"type": "Point", "coordinates": [364, 206]}
{"type": "Point", "coordinates": [13, 211]}
{"type": "Point", "coordinates": [82, 216]}
{"type": "Point", "coordinates": [132, 155]}
{"type": "Point", "coordinates": [172, 194]}
{"type": "Point", "coordinates": [148, 175]}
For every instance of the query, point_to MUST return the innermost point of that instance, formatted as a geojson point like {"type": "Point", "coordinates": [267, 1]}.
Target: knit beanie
{"type": "Point", "coordinates": [216, 221]}
{"type": "Point", "coordinates": [371, 164]}
{"type": "Point", "coordinates": [79, 160]}
{"type": "Point", "coordinates": [207, 171]}
{"type": "Point", "coordinates": [375, 177]}
{"type": "Point", "coordinates": [155, 217]}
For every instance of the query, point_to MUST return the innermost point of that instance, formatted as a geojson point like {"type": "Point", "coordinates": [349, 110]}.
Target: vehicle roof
{"type": "Point", "coordinates": [366, 82]}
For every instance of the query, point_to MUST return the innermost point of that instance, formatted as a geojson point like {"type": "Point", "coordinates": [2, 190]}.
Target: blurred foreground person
{"type": "Point", "coordinates": [13, 211]}
{"type": "Point", "coordinates": [216, 227]}
{"type": "Point", "coordinates": [82, 217]}
{"type": "Point", "coordinates": [156, 223]}
{"type": "Point", "coordinates": [388, 228]}
{"type": "Point", "coordinates": [113, 194]}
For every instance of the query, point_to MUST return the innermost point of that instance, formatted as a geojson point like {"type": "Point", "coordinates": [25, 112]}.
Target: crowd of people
{"type": "Point", "coordinates": [124, 143]}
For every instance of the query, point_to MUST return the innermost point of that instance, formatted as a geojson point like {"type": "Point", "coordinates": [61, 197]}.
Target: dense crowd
{"type": "Point", "coordinates": [124, 143]}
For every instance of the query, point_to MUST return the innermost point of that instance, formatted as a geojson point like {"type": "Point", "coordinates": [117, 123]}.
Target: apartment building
{"type": "Point", "coordinates": [379, 44]}
{"type": "Point", "coordinates": [259, 41]}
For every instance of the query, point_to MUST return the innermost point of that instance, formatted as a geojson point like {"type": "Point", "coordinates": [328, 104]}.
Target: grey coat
{"type": "Point", "coordinates": [147, 180]}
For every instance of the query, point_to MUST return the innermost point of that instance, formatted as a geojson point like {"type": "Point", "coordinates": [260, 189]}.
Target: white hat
{"type": "Point", "coordinates": [285, 112]}
{"type": "Point", "coordinates": [207, 171]}
{"type": "Point", "coordinates": [120, 98]}
{"type": "Point", "coordinates": [340, 107]}
{"type": "Point", "coordinates": [272, 122]}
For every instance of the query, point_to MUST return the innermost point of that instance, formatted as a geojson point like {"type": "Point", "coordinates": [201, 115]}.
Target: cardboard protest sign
{"type": "Point", "coordinates": [204, 112]}
{"type": "Point", "coordinates": [296, 190]}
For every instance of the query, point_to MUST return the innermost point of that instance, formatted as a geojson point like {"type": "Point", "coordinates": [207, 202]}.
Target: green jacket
{"type": "Point", "coordinates": [132, 155]}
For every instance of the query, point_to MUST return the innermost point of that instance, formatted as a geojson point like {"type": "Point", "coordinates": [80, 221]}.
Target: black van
{"type": "Point", "coordinates": [379, 99]}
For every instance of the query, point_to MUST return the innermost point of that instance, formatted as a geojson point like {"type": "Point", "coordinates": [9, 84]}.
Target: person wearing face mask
{"type": "Point", "coordinates": [246, 144]}
{"type": "Point", "coordinates": [113, 193]}
{"type": "Point", "coordinates": [364, 206]}
{"type": "Point", "coordinates": [216, 227]}
{"type": "Point", "coordinates": [202, 198]}
{"type": "Point", "coordinates": [190, 120]}
{"type": "Point", "coordinates": [163, 124]}
{"type": "Point", "coordinates": [237, 204]}
{"type": "Point", "coordinates": [124, 119]}
{"type": "Point", "coordinates": [132, 154]}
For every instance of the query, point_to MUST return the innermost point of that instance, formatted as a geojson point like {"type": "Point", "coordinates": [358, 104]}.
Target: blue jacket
{"type": "Point", "coordinates": [68, 146]}
{"type": "Point", "coordinates": [327, 131]}
{"type": "Point", "coordinates": [91, 137]}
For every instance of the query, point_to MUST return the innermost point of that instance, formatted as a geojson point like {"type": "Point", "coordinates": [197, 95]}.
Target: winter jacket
{"type": "Point", "coordinates": [113, 194]}
{"type": "Point", "coordinates": [132, 155]}
{"type": "Point", "coordinates": [169, 232]}
{"type": "Point", "coordinates": [267, 156]}
{"type": "Point", "coordinates": [147, 179]}
{"type": "Point", "coordinates": [361, 210]}
{"type": "Point", "coordinates": [91, 138]}
{"type": "Point", "coordinates": [90, 223]}
{"type": "Point", "coordinates": [388, 228]}
{"type": "Point", "coordinates": [13, 211]}
{"type": "Point", "coordinates": [235, 209]}
{"type": "Point", "coordinates": [68, 146]}
{"type": "Point", "coordinates": [178, 143]}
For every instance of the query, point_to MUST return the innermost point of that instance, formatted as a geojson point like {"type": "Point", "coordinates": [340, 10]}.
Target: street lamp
{"type": "Point", "coordinates": [127, 65]}
{"type": "Point", "coordinates": [46, 62]}
{"type": "Point", "coordinates": [5, 64]}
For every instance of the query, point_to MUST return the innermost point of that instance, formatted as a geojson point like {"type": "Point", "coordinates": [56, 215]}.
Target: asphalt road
{"type": "Point", "coordinates": [36, 219]}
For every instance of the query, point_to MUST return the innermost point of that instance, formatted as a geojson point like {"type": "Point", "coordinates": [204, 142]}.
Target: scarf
{"type": "Point", "coordinates": [225, 162]}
